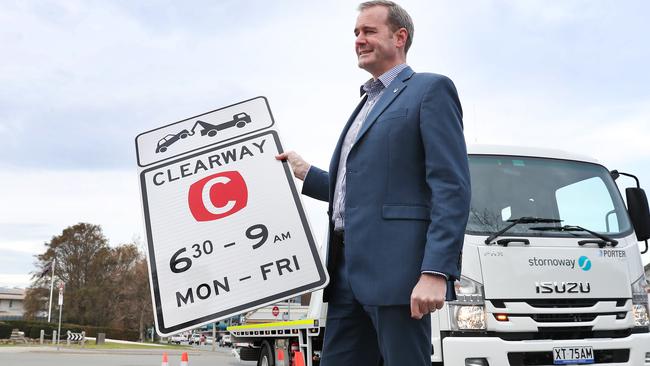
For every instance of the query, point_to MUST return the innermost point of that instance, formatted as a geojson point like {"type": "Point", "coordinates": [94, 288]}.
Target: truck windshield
{"type": "Point", "coordinates": [578, 193]}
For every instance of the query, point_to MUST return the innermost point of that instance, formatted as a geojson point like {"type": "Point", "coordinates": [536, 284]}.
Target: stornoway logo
{"type": "Point", "coordinates": [584, 263]}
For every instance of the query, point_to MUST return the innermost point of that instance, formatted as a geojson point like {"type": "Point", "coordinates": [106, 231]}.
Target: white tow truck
{"type": "Point", "coordinates": [551, 272]}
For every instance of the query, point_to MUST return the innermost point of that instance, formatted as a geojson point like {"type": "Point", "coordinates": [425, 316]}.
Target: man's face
{"type": "Point", "coordinates": [375, 45]}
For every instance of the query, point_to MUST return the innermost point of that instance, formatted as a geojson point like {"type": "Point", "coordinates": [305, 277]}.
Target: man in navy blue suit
{"type": "Point", "coordinates": [398, 190]}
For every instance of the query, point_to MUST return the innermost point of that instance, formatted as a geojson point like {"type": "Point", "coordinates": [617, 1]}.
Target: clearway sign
{"type": "Point", "coordinates": [226, 231]}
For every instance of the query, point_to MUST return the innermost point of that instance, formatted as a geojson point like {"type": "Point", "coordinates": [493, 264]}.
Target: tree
{"type": "Point", "coordinates": [104, 286]}
{"type": "Point", "coordinates": [132, 307]}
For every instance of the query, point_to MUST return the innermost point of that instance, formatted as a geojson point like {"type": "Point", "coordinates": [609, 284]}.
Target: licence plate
{"type": "Point", "coordinates": [573, 355]}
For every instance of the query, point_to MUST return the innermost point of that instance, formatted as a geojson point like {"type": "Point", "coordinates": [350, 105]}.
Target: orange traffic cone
{"type": "Point", "coordinates": [184, 359]}
{"type": "Point", "coordinates": [298, 359]}
{"type": "Point", "coordinates": [165, 361]}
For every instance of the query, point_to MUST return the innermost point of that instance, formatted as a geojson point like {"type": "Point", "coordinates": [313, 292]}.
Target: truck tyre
{"type": "Point", "coordinates": [249, 354]}
{"type": "Point", "coordinates": [241, 124]}
{"type": "Point", "coordinates": [266, 356]}
{"type": "Point", "coordinates": [212, 133]}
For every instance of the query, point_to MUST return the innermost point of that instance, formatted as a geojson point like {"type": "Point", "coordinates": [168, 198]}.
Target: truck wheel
{"type": "Point", "coordinates": [249, 354]}
{"type": "Point", "coordinates": [163, 149]}
{"type": "Point", "coordinates": [241, 124]}
{"type": "Point", "coordinates": [184, 135]}
{"type": "Point", "coordinates": [266, 356]}
{"type": "Point", "coordinates": [212, 133]}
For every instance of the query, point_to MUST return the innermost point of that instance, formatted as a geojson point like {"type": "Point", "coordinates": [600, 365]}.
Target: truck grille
{"type": "Point", "coordinates": [562, 333]}
{"type": "Point", "coordinates": [558, 303]}
{"type": "Point", "coordinates": [567, 318]}
{"type": "Point", "coordinates": [561, 318]}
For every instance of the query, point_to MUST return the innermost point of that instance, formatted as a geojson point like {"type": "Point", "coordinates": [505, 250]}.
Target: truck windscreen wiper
{"type": "Point", "coordinates": [604, 240]}
{"type": "Point", "coordinates": [521, 220]}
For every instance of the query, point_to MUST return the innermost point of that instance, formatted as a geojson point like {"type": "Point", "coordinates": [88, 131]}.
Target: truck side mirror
{"type": "Point", "coordinates": [637, 207]}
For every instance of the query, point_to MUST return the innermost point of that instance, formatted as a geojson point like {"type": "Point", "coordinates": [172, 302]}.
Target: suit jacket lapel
{"type": "Point", "coordinates": [390, 93]}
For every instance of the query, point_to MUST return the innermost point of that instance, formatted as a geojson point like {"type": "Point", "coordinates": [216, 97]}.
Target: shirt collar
{"type": "Point", "coordinates": [375, 85]}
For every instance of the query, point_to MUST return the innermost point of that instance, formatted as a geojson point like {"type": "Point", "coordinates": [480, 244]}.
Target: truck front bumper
{"type": "Point", "coordinates": [495, 350]}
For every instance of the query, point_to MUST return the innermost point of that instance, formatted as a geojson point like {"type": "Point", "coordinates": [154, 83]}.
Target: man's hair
{"type": "Point", "coordinates": [397, 18]}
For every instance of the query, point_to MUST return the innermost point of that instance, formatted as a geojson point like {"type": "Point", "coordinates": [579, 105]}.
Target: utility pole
{"type": "Point", "coordinates": [289, 309]}
{"type": "Point", "coordinates": [49, 311]}
{"type": "Point", "coordinates": [58, 334]}
{"type": "Point", "coordinates": [214, 336]}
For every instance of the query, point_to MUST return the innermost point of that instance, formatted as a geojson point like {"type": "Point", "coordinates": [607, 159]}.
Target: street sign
{"type": "Point", "coordinates": [206, 129]}
{"type": "Point", "coordinates": [226, 230]}
{"type": "Point", "coordinates": [75, 337]}
{"type": "Point", "coordinates": [61, 287]}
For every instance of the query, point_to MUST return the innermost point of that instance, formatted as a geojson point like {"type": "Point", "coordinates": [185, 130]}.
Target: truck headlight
{"type": "Point", "coordinates": [640, 302]}
{"type": "Point", "coordinates": [468, 311]}
{"type": "Point", "coordinates": [470, 317]}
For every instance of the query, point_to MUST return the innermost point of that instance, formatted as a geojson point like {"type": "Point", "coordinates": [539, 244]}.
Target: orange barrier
{"type": "Point", "coordinates": [165, 360]}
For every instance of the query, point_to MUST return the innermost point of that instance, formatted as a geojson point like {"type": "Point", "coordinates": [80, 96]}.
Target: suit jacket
{"type": "Point", "coordinates": [407, 190]}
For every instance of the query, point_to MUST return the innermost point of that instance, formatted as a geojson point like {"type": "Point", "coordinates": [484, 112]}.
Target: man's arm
{"type": "Point", "coordinates": [316, 181]}
{"type": "Point", "coordinates": [447, 175]}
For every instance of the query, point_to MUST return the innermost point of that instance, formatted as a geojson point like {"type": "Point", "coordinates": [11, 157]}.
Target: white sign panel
{"type": "Point", "coordinates": [203, 130]}
{"type": "Point", "coordinates": [226, 232]}
{"type": "Point", "coordinates": [61, 294]}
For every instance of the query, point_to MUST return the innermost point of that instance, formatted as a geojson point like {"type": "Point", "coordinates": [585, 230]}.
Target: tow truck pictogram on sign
{"type": "Point", "coordinates": [239, 120]}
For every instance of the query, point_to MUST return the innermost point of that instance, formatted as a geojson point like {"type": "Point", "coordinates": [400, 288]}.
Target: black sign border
{"type": "Point", "coordinates": [137, 151]}
{"type": "Point", "coordinates": [322, 281]}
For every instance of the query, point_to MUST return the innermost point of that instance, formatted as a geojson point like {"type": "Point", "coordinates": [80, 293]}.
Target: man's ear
{"type": "Point", "coordinates": [401, 35]}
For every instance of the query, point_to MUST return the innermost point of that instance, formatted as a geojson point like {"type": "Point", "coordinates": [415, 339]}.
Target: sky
{"type": "Point", "coordinates": [80, 79]}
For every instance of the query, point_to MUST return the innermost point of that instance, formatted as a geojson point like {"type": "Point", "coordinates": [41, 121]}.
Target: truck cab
{"type": "Point", "coordinates": [551, 269]}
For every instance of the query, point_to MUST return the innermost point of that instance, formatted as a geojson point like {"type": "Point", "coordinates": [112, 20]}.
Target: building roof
{"type": "Point", "coordinates": [12, 293]}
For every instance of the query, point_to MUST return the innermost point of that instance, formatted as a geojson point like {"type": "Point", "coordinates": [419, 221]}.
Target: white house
{"type": "Point", "coordinates": [12, 303]}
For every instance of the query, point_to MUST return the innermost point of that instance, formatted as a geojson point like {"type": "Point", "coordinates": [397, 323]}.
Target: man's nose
{"type": "Point", "coordinates": [361, 39]}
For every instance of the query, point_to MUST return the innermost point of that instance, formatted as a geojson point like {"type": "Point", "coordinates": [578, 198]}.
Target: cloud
{"type": "Point", "coordinates": [84, 78]}
{"type": "Point", "coordinates": [15, 280]}
{"type": "Point", "coordinates": [57, 199]}
{"type": "Point", "coordinates": [518, 120]}
{"type": "Point", "coordinates": [21, 247]}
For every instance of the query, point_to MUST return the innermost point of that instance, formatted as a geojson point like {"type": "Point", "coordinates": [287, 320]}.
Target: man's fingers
{"type": "Point", "coordinates": [421, 306]}
{"type": "Point", "coordinates": [299, 166]}
{"type": "Point", "coordinates": [425, 307]}
{"type": "Point", "coordinates": [415, 310]}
